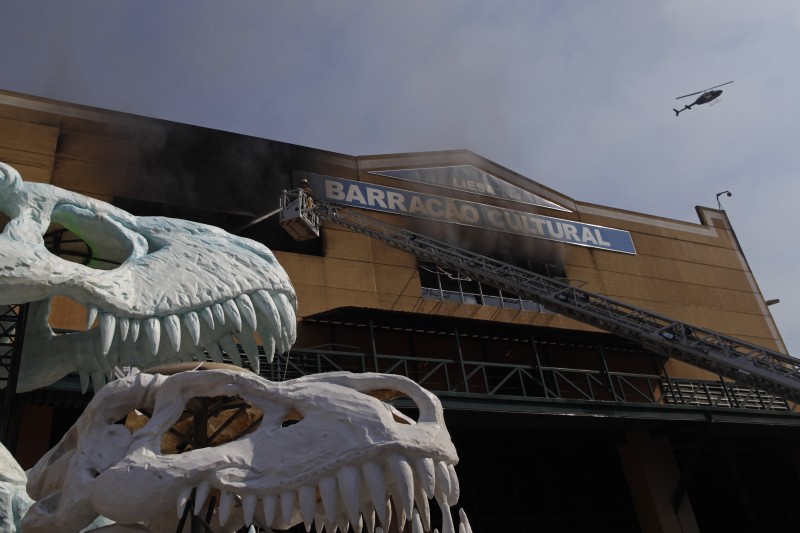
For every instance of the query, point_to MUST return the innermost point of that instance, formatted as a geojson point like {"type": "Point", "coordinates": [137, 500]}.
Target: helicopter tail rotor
{"type": "Point", "coordinates": [684, 109]}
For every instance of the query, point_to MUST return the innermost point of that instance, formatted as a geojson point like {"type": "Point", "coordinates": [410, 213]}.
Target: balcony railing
{"type": "Point", "coordinates": [488, 380]}
{"type": "Point", "coordinates": [492, 381]}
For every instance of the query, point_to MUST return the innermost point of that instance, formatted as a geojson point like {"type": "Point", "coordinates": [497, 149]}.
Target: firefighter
{"type": "Point", "coordinates": [305, 189]}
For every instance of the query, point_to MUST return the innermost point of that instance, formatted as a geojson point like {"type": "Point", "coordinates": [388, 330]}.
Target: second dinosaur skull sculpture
{"type": "Point", "coordinates": [182, 290]}
{"type": "Point", "coordinates": [348, 458]}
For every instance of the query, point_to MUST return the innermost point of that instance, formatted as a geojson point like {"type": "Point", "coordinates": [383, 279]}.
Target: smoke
{"type": "Point", "coordinates": [462, 165]}
{"type": "Point", "coordinates": [215, 170]}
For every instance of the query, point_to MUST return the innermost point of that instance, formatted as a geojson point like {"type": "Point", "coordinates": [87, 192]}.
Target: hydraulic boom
{"type": "Point", "coordinates": [723, 355]}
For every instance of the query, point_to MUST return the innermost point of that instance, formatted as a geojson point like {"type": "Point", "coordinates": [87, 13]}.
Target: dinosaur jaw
{"type": "Point", "coordinates": [347, 458]}
{"type": "Point", "coordinates": [399, 487]}
{"type": "Point", "coordinates": [350, 459]}
{"type": "Point", "coordinates": [263, 317]}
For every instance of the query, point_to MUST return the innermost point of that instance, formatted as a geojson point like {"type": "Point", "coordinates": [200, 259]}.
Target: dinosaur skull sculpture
{"type": "Point", "coordinates": [348, 460]}
{"type": "Point", "coordinates": [14, 501]}
{"type": "Point", "coordinates": [187, 287]}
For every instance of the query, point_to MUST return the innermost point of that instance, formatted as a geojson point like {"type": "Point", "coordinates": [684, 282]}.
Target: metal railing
{"type": "Point", "coordinates": [490, 381]}
{"type": "Point", "coordinates": [487, 381]}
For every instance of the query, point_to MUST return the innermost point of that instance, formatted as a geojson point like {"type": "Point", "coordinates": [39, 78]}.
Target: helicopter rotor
{"type": "Point", "coordinates": [704, 90]}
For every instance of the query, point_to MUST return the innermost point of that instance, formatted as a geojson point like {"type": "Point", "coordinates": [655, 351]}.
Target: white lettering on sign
{"type": "Point", "coordinates": [334, 190]}
{"type": "Point", "coordinates": [469, 214]}
{"type": "Point", "coordinates": [354, 195]}
{"type": "Point", "coordinates": [388, 199]}
{"type": "Point", "coordinates": [396, 201]}
{"type": "Point", "coordinates": [375, 197]}
{"type": "Point", "coordinates": [495, 218]}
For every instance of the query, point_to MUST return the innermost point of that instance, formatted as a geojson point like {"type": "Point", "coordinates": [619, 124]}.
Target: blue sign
{"type": "Point", "coordinates": [398, 201]}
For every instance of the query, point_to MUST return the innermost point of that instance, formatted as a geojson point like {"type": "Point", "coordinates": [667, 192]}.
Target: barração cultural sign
{"type": "Point", "coordinates": [402, 202]}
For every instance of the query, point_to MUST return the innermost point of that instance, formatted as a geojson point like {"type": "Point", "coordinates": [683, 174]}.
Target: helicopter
{"type": "Point", "coordinates": [707, 96]}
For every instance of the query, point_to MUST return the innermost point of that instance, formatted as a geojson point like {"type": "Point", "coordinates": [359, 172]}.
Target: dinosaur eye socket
{"type": "Point", "coordinates": [71, 247]}
{"type": "Point", "coordinates": [76, 234]}
{"type": "Point", "coordinates": [205, 422]}
{"type": "Point", "coordinates": [395, 400]}
{"type": "Point", "coordinates": [292, 417]}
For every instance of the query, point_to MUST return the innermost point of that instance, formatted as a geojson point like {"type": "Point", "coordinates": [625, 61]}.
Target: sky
{"type": "Point", "coordinates": [575, 95]}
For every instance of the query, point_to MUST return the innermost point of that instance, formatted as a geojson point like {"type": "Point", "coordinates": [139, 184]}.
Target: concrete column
{"type": "Point", "coordinates": [653, 475]}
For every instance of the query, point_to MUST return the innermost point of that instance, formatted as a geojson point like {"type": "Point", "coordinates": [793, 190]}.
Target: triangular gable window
{"type": "Point", "coordinates": [472, 180]}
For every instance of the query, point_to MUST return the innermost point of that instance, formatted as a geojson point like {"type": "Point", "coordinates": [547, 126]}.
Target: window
{"type": "Point", "coordinates": [449, 285]}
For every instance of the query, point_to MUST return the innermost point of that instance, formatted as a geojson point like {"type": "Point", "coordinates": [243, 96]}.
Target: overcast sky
{"type": "Point", "coordinates": [576, 95]}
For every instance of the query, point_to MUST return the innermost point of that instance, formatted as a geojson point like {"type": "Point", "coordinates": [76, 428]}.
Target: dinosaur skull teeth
{"type": "Point", "coordinates": [399, 489]}
{"type": "Point", "coordinates": [260, 312]}
{"type": "Point", "coordinates": [234, 326]}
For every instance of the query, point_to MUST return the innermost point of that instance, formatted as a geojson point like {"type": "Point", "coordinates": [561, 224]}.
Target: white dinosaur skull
{"type": "Point", "coordinates": [349, 459]}
{"type": "Point", "coordinates": [196, 283]}
{"type": "Point", "coordinates": [14, 501]}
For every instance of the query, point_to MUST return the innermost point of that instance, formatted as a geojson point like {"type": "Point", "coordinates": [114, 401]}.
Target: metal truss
{"type": "Point", "coordinates": [741, 361]}
{"type": "Point", "coordinates": [603, 382]}
{"type": "Point", "coordinates": [12, 332]}
{"type": "Point", "coordinates": [488, 382]}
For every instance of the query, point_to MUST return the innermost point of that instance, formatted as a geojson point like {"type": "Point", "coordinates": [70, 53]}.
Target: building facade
{"type": "Point", "coordinates": [560, 426]}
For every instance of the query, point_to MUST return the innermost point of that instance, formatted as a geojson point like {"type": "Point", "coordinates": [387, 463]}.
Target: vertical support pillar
{"type": "Point", "coordinates": [746, 504]}
{"type": "Point", "coordinates": [653, 474]}
{"type": "Point", "coordinates": [374, 346]}
{"type": "Point", "coordinates": [608, 375]}
{"type": "Point", "coordinates": [461, 360]}
{"type": "Point", "coordinates": [688, 468]}
{"type": "Point", "coordinates": [539, 367]}
{"type": "Point", "coordinates": [674, 390]}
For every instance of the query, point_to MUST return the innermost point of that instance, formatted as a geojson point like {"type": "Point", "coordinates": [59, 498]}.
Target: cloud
{"type": "Point", "coordinates": [575, 95]}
